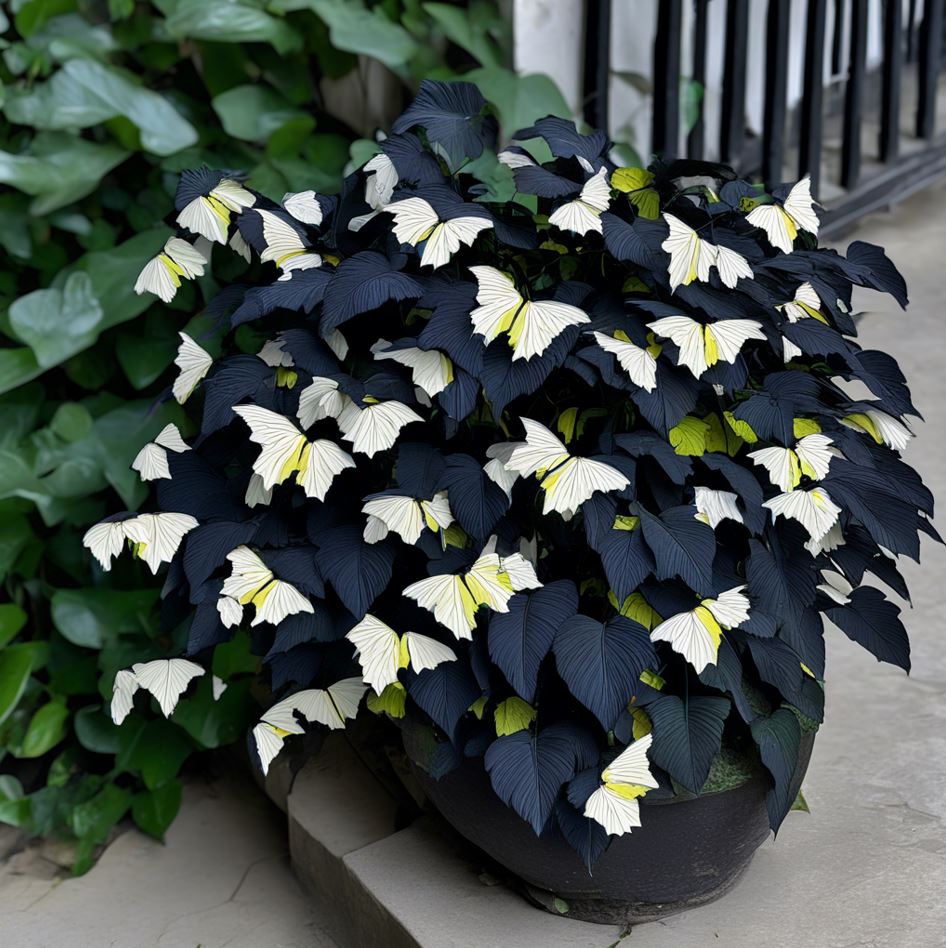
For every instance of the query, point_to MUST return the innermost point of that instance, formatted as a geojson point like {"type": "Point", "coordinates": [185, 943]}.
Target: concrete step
{"type": "Point", "coordinates": [377, 882]}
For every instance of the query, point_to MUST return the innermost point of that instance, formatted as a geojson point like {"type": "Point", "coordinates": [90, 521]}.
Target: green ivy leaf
{"type": "Point", "coordinates": [12, 619]}
{"type": "Point", "coordinates": [520, 100]}
{"type": "Point", "coordinates": [85, 93]}
{"type": "Point", "coordinates": [155, 749]}
{"type": "Point", "coordinates": [57, 324]}
{"type": "Point", "coordinates": [15, 667]}
{"type": "Point", "coordinates": [154, 811]}
{"type": "Point", "coordinates": [92, 617]}
{"type": "Point", "coordinates": [94, 818]}
{"type": "Point", "coordinates": [239, 21]}
{"type": "Point", "coordinates": [253, 112]}
{"type": "Point", "coordinates": [46, 729]}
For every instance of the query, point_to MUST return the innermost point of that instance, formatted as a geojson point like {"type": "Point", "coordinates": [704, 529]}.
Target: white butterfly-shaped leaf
{"type": "Point", "coordinates": [337, 342]}
{"type": "Point", "coordinates": [123, 694]}
{"type": "Point", "coordinates": [274, 354]}
{"type": "Point", "coordinates": [284, 246]}
{"type": "Point", "coordinates": [835, 587]}
{"type": "Point", "coordinates": [692, 257]}
{"type": "Point", "coordinates": [252, 582]}
{"type": "Point", "coordinates": [415, 221]}
{"type": "Point", "coordinates": [496, 469]}
{"type": "Point", "coordinates": [520, 571]}
{"type": "Point", "coordinates": [256, 493]}
{"type": "Point", "coordinates": [166, 679]}
{"type": "Point", "coordinates": [151, 462]}
{"type": "Point", "coordinates": [696, 634]}
{"type": "Point", "coordinates": [375, 427]}
{"type": "Point", "coordinates": [320, 399]}
{"type": "Point", "coordinates": [330, 706]}
{"type": "Point", "coordinates": [239, 246]}
{"type": "Point", "coordinates": [514, 159]}
{"type": "Point", "coordinates": [566, 480]}
{"type": "Point", "coordinates": [304, 207]}
{"type": "Point", "coordinates": [881, 427]}
{"type": "Point", "coordinates": [209, 215]}
{"type": "Point", "coordinates": [158, 536]}
{"type": "Point", "coordinates": [269, 742]}
{"type": "Point", "coordinates": [230, 611]}
{"type": "Point", "coordinates": [714, 506]}
{"type": "Point", "coordinates": [806, 304]}
{"type": "Point", "coordinates": [381, 651]}
{"type": "Point", "coordinates": [813, 509]}
{"type": "Point", "coordinates": [162, 274]}
{"type": "Point", "coordinates": [193, 364]}
{"type": "Point", "coordinates": [781, 222]}
{"type": "Point", "coordinates": [431, 370]}
{"type": "Point", "coordinates": [286, 452]}
{"type": "Point", "coordinates": [584, 213]}
{"type": "Point", "coordinates": [702, 346]}
{"type": "Point", "coordinates": [811, 456]}
{"type": "Point", "coordinates": [531, 326]}
{"type": "Point", "coordinates": [406, 517]}
{"type": "Point", "coordinates": [381, 181]}
{"type": "Point", "coordinates": [454, 599]}
{"type": "Point", "coordinates": [614, 804]}
{"type": "Point", "coordinates": [639, 364]}
{"type": "Point", "coordinates": [105, 541]}
{"type": "Point", "coordinates": [830, 541]}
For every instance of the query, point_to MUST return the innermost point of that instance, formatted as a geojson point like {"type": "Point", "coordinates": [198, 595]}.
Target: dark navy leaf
{"type": "Point", "coordinates": [586, 836]}
{"type": "Point", "coordinates": [564, 139]}
{"type": "Point", "coordinates": [302, 292]}
{"type": "Point", "coordinates": [687, 736]}
{"type": "Point", "coordinates": [778, 738]}
{"type": "Point", "coordinates": [358, 571]}
{"type": "Point", "coordinates": [874, 622]}
{"type": "Point", "coordinates": [363, 283]}
{"type": "Point", "coordinates": [237, 378]}
{"type": "Point", "coordinates": [445, 693]}
{"type": "Point", "coordinates": [527, 769]}
{"type": "Point", "coordinates": [297, 565]}
{"type": "Point", "coordinates": [476, 501]}
{"type": "Point", "coordinates": [206, 547]}
{"type": "Point", "coordinates": [881, 273]}
{"type": "Point", "coordinates": [601, 662]}
{"type": "Point", "coordinates": [626, 559]}
{"type": "Point", "coordinates": [520, 638]}
{"type": "Point", "coordinates": [451, 113]}
{"type": "Point", "coordinates": [682, 546]}
{"type": "Point", "coordinates": [644, 444]}
{"type": "Point", "coordinates": [727, 676]}
{"type": "Point", "coordinates": [419, 468]}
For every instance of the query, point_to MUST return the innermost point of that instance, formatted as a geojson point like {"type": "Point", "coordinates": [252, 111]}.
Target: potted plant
{"type": "Point", "coordinates": [552, 463]}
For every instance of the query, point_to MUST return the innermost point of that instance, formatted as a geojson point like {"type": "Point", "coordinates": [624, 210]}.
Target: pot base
{"type": "Point", "coordinates": [623, 913]}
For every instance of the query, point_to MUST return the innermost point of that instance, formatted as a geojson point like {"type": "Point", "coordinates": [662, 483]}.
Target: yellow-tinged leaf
{"type": "Point", "coordinates": [285, 377]}
{"type": "Point", "coordinates": [642, 725]}
{"type": "Point", "coordinates": [566, 424]}
{"type": "Point", "coordinates": [865, 423]}
{"type": "Point", "coordinates": [742, 428]}
{"type": "Point", "coordinates": [807, 670]}
{"type": "Point", "coordinates": [805, 426]}
{"type": "Point", "coordinates": [391, 701]}
{"type": "Point", "coordinates": [719, 438]}
{"type": "Point", "coordinates": [630, 179]}
{"type": "Point", "coordinates": [455, 535]}
{"type": "Point", "coordinates": [630, 791]}
{"type": "Point", "coordinates": [636, 607]}
{"type": "Point", "coordinates": [647, 203]}
{"type": "Point", "coordinates": [623, 522]}
{"type": "Point", "coordinates": [479, 706]}
{"type": "Point", "coordinates": [552, 245]}
{"type": "Point", "coordinates": [513, 715]}
{"type": "Point", "coordinates": [689, 436]}
{"type": "Point", "coordinates": [635, 284]}
{"type": "Point", "coordinates": [652, 678]}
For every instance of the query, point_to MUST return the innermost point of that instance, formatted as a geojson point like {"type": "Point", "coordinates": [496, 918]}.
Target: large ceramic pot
{"type": "Point", "coordinates": [687, 851]}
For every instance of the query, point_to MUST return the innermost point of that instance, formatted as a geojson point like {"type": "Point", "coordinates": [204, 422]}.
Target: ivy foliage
{"type": "Point", "coordinates": [554, 460]}
{"type": "Point", "coordinates": [103, 104]}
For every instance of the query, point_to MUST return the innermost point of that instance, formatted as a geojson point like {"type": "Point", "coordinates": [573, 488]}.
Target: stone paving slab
{"type": "Point", "coordinates": [222, 878]}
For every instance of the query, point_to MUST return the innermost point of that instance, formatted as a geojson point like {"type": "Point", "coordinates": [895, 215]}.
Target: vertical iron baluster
{"type": "Point", "coordinates": [695, 139]}
{"type": "Point", "coordinates": [890, 94]}
{"type": "Point", "coordinates": [666, 118]}
{"type": "Point", "coordinates": [854, 97]}
{"type": "Point", "coordinates": [837, 37]}
{"type": "Point", "coordinates": [733, 119]}
{"type": "Point", "coordinates": [931, 40]}
{"type": "Point", "coordinates": [911, 32]}
{"type": "Point", "coordinates": [809, 150]}
{"type": "Point", "coordinates": [776, 87]}
{"type": "Point", "coordinates": [597, 72]}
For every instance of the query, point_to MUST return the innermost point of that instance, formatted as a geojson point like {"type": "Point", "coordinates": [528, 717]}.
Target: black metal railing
{"type": "Point", "coordinates": [865, 175]}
